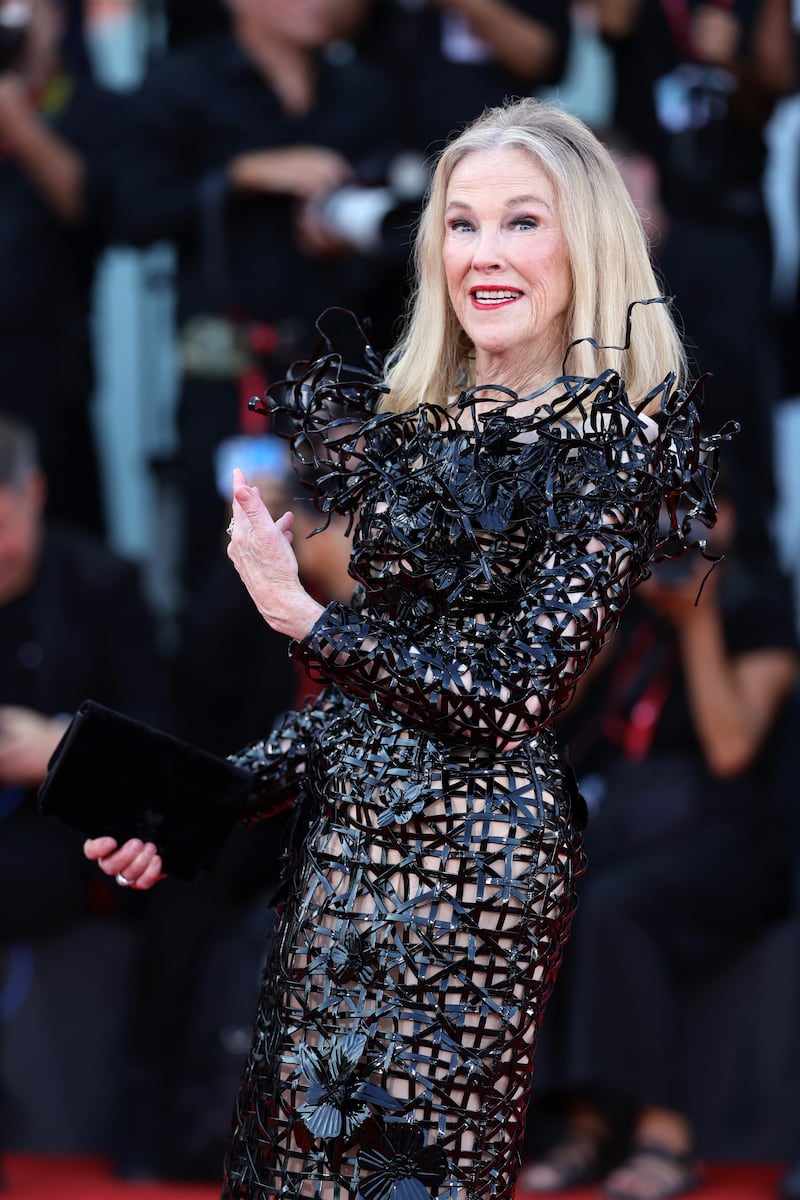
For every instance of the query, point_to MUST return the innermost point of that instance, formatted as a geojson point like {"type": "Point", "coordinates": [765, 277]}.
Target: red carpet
{"type": "Point", "coordinates": [727, 1181]}
{"type": "Point", "coordinates": [35, 1178]}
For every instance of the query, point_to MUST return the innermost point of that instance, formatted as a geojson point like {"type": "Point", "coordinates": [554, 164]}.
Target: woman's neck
{"type": "Point", "coordinates": [517, 371]}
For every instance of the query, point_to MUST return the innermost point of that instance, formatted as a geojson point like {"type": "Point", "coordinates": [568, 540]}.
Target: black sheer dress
{"type": "Point", "coordinates": [433, 888]}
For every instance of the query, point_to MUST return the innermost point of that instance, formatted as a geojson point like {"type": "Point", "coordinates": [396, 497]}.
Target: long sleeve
{"type": "Point", "coordinates": [278, 763]}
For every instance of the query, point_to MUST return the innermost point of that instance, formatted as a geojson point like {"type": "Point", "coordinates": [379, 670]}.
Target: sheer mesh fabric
{"type": "Point", "coordinates": [418, 947]}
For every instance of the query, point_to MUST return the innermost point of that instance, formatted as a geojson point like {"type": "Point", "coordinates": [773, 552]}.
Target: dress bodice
{"type": "Point", "coordinates": [447, 518]}
{"type": "Point", "coordinates": [495, 543]}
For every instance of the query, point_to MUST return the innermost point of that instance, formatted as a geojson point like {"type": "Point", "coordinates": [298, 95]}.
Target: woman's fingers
{"type": "Point", "coordinates": [284, 524]}
{"type": "Point", "coordinates": [248, 510]}
{"type": "Point", "coordinates": [261, 551]}
{"type": "Point", "coordinates": [251, 506]}
{"type": "Point", "coordinates": [151, 873]}
{"type": "Point", "coordinates": [96, 848]}
{"type": "Point", "coordinates": [249, 513]}
{"type": "Point", "coordinates": [133, 864]}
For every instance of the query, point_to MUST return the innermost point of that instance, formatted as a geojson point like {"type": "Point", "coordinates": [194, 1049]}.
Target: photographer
{"type": "Point", "coordinates": [234, 133]}
{"type": "Point", "coordinates": [448, 60]}
{"type": "Point", "coordinates": [57, 129]}
{"type": "Point", "coordinates": [73, 623]}
{"type": "Point", "coordinates": [451, 58]}
{"type": "Point", "coordinates": [678, 742]}
{"type": "Point", "coordinates": [696, 84]}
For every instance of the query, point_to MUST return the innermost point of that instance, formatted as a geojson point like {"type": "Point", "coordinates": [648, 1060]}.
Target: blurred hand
{"type": "Point", "coordinates": [27, 740]}
{"type": "Point", "coordinates": [301, 171]}
{"type": "Point", "coordinates": [14, 103]}
{"type": "Point", "coordinates": [261, 550]}
{"type": "Point", "coordinates": [676, 599]}
{"type": "Point", "coordinates": [138, 864]}
{"type": "Point", "coordinates": [313, 236]}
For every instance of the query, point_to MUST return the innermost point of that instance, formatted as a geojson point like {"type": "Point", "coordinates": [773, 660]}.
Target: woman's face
{"type": "Point", "coordinates": [507, 267]}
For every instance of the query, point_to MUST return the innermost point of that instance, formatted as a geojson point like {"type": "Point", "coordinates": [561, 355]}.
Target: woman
{"type": "Point", "coordinates": [504, 511]}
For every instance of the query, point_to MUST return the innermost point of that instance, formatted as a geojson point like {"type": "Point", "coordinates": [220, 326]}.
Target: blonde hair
{"type": "Point", "coordinates": [608, 252]}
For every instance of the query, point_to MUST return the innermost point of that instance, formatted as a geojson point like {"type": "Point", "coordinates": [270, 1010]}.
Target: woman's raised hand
{"type": "Point", "coordinates": [261, 550]}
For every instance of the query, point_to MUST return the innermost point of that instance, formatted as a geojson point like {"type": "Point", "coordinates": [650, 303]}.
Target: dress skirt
{"type": "Point", "coordinates": [430, 902]}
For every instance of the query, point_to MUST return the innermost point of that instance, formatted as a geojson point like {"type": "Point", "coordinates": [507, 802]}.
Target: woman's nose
{"type": "Point", "coordinates": [488, 254]}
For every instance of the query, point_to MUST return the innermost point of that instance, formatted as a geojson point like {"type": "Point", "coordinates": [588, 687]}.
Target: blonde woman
{"type": "Point", "coordinates": [505, 477]}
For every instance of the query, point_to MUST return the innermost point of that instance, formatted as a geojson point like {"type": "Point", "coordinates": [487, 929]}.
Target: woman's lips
{"type": "Point", "coordinates": [484, 297]}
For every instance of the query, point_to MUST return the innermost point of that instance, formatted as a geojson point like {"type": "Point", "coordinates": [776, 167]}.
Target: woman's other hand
{"type": "Point", "coordinates": [261, 550]}
{"type": "Point", "coordinates": [134, 864]}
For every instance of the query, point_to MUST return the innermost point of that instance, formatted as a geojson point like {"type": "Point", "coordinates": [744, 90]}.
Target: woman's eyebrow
{"type": "Point", "coordinates": [513, 202]}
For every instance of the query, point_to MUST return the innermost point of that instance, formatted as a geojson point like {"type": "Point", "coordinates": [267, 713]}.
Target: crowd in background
{"type": "Point", "coordinates": [281, 148]}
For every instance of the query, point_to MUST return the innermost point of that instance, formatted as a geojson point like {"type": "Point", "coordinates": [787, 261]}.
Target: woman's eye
{"type": "Point", "coordinates": [525, 223]}
{"type": "Point", "coordinates": [460, 225]}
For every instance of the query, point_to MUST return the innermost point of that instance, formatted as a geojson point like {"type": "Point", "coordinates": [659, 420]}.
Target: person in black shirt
{"type": "Point", "coordinates": [678, 742]}
{"type": "Point", "coordinates": [232, 135]}
{"type": "Point", "coordinates": [696, 83]}
{"type": "Point", "coordinates": [74, 624]}
{"type": "Point", "coordinates": [452, 58]}
{"type": "Point", "coordinates": [57, 130]}
{"type": "Point", "coordinates": [447, 61]}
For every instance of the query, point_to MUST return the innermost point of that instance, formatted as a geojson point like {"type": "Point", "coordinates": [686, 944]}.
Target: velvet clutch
{"type": "Point", "coordinates": [111, 774]}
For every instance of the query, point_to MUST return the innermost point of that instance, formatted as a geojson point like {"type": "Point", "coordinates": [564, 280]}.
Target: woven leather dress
{"type": "Point", "coordinates": [433, 887]}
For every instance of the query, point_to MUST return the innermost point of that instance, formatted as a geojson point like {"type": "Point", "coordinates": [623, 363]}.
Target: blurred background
{"type": "Point", "coordinates": [184, 186]}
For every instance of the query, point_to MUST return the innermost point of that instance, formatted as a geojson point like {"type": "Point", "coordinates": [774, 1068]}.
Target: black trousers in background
{"type": "Point", "coordinates": [644, 927]}
{"type": "Point", "coordinates": [680, 875]}
{"type": "Point", "coordinates": [44, 879]}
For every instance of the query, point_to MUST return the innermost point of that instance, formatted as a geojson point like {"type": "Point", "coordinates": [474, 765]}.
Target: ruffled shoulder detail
{"type": "Point", "coordinates": [325, 405]}
{"type": "Point", "coordinates": [659, 439]}
{"type": "Point", "coordinates": [687, 466]}
{"type": "Point", "coordinates": [342, 382]}
{"type": "Point", "coordinates": [328, 408]}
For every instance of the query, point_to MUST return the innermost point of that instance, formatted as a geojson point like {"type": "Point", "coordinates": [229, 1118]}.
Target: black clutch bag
{"type": "Point", "coordinates": [111, 774]}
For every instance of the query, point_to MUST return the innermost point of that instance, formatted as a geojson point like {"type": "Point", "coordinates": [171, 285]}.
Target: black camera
{"type": "Point", "coordinates": [14, 24]}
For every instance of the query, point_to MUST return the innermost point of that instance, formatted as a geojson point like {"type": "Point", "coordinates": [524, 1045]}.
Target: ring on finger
{"type": "Point", "coordinates": [120, 879]}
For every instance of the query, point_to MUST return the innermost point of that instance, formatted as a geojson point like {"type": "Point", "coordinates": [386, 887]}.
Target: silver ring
{"type": "Point", "coordinates": [122, 881]}
{"type": "Point", "coordinates": [229, 530]}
